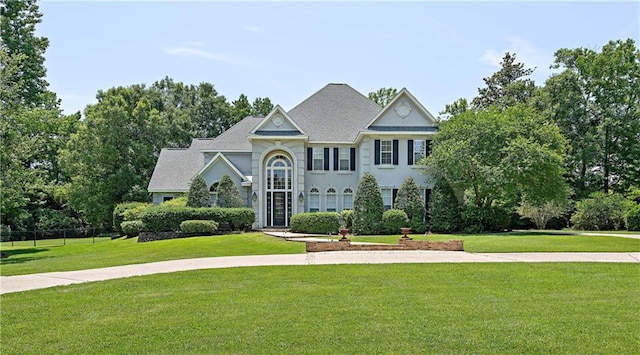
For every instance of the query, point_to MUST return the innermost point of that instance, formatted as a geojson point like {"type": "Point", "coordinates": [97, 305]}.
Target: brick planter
{"type": "Point", "coordinates": [403, 244]}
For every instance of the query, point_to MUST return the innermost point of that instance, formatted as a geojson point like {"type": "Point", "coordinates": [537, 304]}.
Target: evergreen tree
{"type": "Point", "coordinates": [198, 193]}
{"type": "Point", "coordinates": [444, 211]}
{"type": "Point", "coordinates": [506, 87]}
{"type": "Point", "coordinates": [228, 193]}
{"type": "Point", "coordinates": [410, 201]}
{"type": "Point", "coordinates": [368, 206]}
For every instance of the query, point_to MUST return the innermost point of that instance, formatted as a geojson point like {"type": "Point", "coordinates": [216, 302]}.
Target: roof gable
{"type": "Point", "coordinates": [277, 123]}
{"type": "Point", "coordinates": [335, 113]}
{"type": "Point", "coordinates": [227, 165]}
{"type": "Point", "coordinates": [403, 111]}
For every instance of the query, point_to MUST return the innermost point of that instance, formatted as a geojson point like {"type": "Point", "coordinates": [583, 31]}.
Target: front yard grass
{"type": "Point", "coordinates": [29, 259]}
{"type": "Point", "coordinates": [536, 308]}
{"type": "Point", "coordinates": [520, 242]}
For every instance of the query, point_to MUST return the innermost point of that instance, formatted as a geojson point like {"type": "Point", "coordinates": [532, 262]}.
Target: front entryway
{"type": "Point", "coordinates": [279, 190]}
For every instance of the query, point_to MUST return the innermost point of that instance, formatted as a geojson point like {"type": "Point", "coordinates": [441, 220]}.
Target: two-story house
{"type": "Point", "coordinates": [309, 158]}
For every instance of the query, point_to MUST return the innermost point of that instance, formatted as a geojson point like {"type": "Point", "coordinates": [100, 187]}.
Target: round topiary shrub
{"type": "Point", "coordinates": [633, 219]}
{"type": "Point", "coordinates": [198, 227]}
{"type": "Point", "coordinates": [393, 220]}
{"type": "Point", "coordinates": [132, 228]}
{"type": "Point", "coordinates": [316, 222]}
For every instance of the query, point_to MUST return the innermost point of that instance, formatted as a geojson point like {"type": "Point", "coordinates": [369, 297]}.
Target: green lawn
{"type": "Point", "coordinates": [30, 259]}
{"type": "Point", "coordinates": [548, 308]}
{"type": "Point", "coordinates": [516, 242]}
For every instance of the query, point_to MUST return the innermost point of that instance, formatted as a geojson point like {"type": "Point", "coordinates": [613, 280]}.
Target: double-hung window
{"type": "Point", "coordinates": [418, 150]}
{"type": "Point", "coordinates": [344, 159]}
{"type": "Point", "coordinates": [347, 199]}
{"type": "Point", "coordinates": [314, 200]}
{"type": "Point", "coordinates": [318, 159]}
{"type": "Point", "coordinates": [387, 198]}
{"type": "Point", "coordinates": [386, 152]}
{"type": "Point", "coordinates": [331, 200]}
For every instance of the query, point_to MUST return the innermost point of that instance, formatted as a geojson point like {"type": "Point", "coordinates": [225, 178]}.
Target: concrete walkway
{"type": "Point", "coordinates": [9, 284]}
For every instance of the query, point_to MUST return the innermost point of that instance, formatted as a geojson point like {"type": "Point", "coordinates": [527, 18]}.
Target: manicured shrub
{"type": "Point", "coordinates": [601, 211]}
{"type": "Point", "coordinates": [127, 211]}
{"type": "Point", "coordinates": [198, 227]}
{"type": "Point", "coordinates": [485, 219]}
{"type": "Point", "coordinates": [199, 195]}
{"type": "Point", "coordinates": [180, 201]}
{"type": "Point", "coordinates": [132, 228]}
{"type": "Point", "coordinates": [367, 206]}
{"type": "Point", "coordinates": [409, 200]}
{"type": "Point", "coordinates": [633, 218]}
{"type": "Point", "coordinates": [316, 222]}
{"type": "Point", "coordinates": [228, 194]}
{"type": "Point", "coordinates": [346, 219]}
{"type": "Point", "coordinates": [444, 210]}
{"type": "Point", "coordinates": [541, 215]}
{"type": "Point", "coordinates": [166, 219]}
{"type": "Point", "coordinates": [393, 220]}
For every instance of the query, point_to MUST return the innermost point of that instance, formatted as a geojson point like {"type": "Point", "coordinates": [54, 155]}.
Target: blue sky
{"type": "Point", "coordinates": [286, 51]}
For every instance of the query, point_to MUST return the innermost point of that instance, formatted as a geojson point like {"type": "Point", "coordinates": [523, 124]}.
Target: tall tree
{"type": "Point", "coordinates": [596, 103]}
{"type": "Point", "coordinates": [505, 157]}
{"type": "Point", "coordinates": [507, 86]}
{"type": "Point", "coordinates": [383, 96]}
{"type": "Point", "coordinates": [261, 106]}
{"type": "Point", "coordinates": [18, 20]}
{"type": "Point", "coordinates": [240, 108]}
{"type": "Point", "coordinates": [32, 128]}
{"type": "Point", "coordinates": [457, 107]}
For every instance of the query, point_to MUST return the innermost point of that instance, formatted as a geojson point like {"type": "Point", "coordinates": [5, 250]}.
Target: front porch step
{"type": "Point", "coordinates": [275, 230]}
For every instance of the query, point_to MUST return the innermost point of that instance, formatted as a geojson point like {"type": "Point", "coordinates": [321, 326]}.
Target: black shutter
{"type": "Point", "coordinates": [353, 159]}
{"type": "Point", "coordinates": [394, 194]}
{"type": "Point", "coordinates": [427, 148]}
{"type": "Point", "coordinates": [326, 159]}
{"type": "Point", "coordinates": [376, 159]}
{"type": "Point", "coordinates": [395, 152]}
{"type": "Point", "coordinates": [410, 152]}
{"type": "Point", "coordinates": [336, 157]}
{"type": "Point", "coordinates": [309, 158]}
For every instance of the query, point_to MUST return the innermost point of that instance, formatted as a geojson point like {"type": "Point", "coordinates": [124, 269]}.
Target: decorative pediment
{"type": "Point", "coordinates": [277, 123]}
{"type": "Point", "coordinates": [404, 113]}
{"type": "Point", "coordinates": [218, 166]}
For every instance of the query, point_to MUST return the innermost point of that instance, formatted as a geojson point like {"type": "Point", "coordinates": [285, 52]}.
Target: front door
{"type": "Point", "coordinates": [279, 209]}
{"type": "Point", "coordinates": [279, 190]}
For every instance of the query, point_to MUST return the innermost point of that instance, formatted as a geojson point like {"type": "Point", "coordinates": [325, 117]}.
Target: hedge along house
{"type": "Point", "coordinates": [309, 158]}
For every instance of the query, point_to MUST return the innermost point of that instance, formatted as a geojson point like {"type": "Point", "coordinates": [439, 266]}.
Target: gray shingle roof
{"type": "Point", "coordinates": [235, 138]}
{"type": "Point", "coordinates": [337, 112]}
{"type": "Point", "coordinates": [174, 169]}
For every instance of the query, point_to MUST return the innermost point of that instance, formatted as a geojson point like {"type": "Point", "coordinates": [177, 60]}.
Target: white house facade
{"type": "Point", "coordinates": [309, 158]}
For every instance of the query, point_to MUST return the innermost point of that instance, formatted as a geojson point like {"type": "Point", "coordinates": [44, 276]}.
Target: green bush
{"type": "Point", "coordinates": [409, 199]}
{"type": "Point", "coordinates": [346, 218]}
{"type": "Point", "coordinates": [227, 194]}
{"type": "Point", "coordinates": [166, 219]}
{"type": "Point", "coordinates": [198, 227]}
{"type": "Point", "coordinates": [368, 206]}
{"type": "Point", "coordinates": [316, 222]}
{"type": "Point", "coordinates": [485, 219]}
{"type": "Point", "coordinates": [601, 211]}
{"type": "Point", "coordinates": [444, 210]}
{"type": "Point", "coordinates": [180, 201]}
{"type": "Point", "coordinates": [393, 220]}
{"type": "Point", "coordinates": [633, 218]}
{"type": "Point", "coordinates": [132, 228]}
{"type": "Point", "coordinates": [199, 195]}
{"type": "Point", "coordinates": [127, 211]}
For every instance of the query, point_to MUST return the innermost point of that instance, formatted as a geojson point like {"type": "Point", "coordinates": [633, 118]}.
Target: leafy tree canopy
{"type": "Point", "coordinates": [383, 96]}
{"type": "Point", "coordinates": [507, 86]}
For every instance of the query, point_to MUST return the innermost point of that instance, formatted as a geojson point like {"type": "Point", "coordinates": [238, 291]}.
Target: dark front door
{"type": "Point", "coordinates": [278, 208]}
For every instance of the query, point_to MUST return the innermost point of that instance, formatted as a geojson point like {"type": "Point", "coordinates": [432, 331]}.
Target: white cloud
{"type": "Point", "coordinates": [254, 29]}
{"type": "Point", "coordinates": [196, 49]}
{"type": "Point", "coordinates": [526, 53]}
